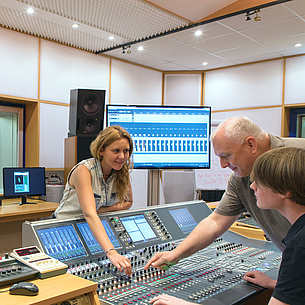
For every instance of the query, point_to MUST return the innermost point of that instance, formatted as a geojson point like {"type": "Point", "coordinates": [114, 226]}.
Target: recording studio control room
{"type": "Point", "coordinates": [149, 152]}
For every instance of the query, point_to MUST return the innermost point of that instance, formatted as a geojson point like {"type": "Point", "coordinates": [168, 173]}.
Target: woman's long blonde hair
{"type": "Point", "coordinates": [105, 138]}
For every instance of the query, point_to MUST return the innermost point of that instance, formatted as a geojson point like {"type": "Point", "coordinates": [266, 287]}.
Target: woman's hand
{"type": "Point", "coordinates": [120, 261]}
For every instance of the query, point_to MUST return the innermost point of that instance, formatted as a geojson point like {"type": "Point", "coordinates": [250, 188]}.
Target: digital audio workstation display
{"type": "Point", "coordinates": [62, 242]}
{"type": "Point", "coordinates": [24, 182]}
{"type": "Point", "coordinates": [165, 137]}
{"type": "Point", "coordinates": [183, 219]}
{"type": "Point", "coordinates": [138, 228]}
{"type": "Point", "coordinates": [91, 242]}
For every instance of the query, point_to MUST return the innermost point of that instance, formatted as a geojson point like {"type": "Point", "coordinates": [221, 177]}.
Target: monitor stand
{"type": "Point", "coordinates": [24, 201]}
{"type": "Point", "coordinates": [154, 178]}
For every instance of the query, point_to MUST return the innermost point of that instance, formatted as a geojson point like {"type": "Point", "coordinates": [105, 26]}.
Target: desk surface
{"type": "Point", "coordinates": [12, 211]}
{"type": "Point", "coordinates": [53, 290]}
{"type": "Point", "coordinates": [12, 215]}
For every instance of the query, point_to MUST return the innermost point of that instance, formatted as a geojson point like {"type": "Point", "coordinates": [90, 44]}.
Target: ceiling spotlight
{"type": "Point", "coordinates": [75, 25]}
{"type": "Point", "coordinates": [30, 10]}
{"type": "Point", "coordinates": [256, 18]}
{"type": "Point", "coordinates": [297, 45]}
{"type": "Point", "coordinates": [198, 33]}
{"type": "Point", "coordinates": [205, 63]}
{"type": "Point", "coordinates": [126, 49]}
{"type": "Point", "coordinates": [111, 37]}
{"type": "Point", "coordinates": [140, 48]}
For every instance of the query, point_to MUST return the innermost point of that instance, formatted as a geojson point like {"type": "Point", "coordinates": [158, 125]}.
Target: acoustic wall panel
{"type": "Point", "coordinates": [64, 68]}
{"type": "Point", "coordinates": [268, 119]}
{"type": "Point", "coordinates": [254, 85]}
{"type": "Point", "coordinates": [134, 85]}
{"type": "Point", "coordinates": [178, 185]}
{"type": "Point", "coordinates": [53, 131]}
{"type": "Point", "coordinates": [182, 89]}
{"type": "Point", "coordinates": [139, 184]}
{"type": "Point", "coordinates": [294, 82]}
{"type": "Point", "coordinates": [19, 64]}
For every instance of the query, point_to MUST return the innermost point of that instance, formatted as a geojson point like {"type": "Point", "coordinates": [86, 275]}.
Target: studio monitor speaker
{"type": "Point", "coordinates": [86, 111]}
{"type": "Point", "coordinates": [83, 147]}
{"type": "Point", "coordinates": [77, 148]}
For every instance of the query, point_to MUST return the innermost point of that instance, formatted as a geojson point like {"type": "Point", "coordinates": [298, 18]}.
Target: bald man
{"type": "Point", "coordinates": [238, 142]}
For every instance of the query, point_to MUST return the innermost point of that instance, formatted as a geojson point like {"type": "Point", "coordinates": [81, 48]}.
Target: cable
{"type": "Point", "coordinates": [4, 290]}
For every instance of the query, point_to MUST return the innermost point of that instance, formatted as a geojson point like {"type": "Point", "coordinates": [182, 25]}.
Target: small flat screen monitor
{"type": "Point", "coordinates": [138, 228]}
{"type": "Point", "coordinates": [62, 242]}
{"type": "Point", "coordinates": [91, 242]}
{"type": "Point", "coordinates": [184, 219]}
{"type": "Point", "coordinates": [165, 137]}
{"type": "Point", "coordinates": [24, 182]}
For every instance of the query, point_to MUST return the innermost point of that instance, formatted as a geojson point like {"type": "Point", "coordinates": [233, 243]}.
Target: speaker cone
{"type": "Point", "coordinates": [91, 126]}
{"type": "Point", "coordinates": [91, 103]}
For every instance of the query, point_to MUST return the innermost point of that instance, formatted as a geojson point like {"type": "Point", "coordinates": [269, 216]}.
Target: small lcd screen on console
{"type": "Point", "coordinates": [183, 219]}
{"type": "Point", "coordinates": [138, 228]}
{"type": "Point", "coordinates": [91, 242]}
{"type": "Point", "coordinates": [62, 242]}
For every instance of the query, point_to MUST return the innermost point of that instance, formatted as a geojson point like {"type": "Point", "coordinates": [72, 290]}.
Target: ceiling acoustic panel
{"type": "Point", "coordinates": [97, 20]}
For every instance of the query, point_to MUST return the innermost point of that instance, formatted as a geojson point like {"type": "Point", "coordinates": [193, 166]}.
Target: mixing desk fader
{"type": "Point", "coordinates": [210, 276]}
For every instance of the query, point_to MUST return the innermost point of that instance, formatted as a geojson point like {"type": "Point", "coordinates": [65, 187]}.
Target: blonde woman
{"type": "Point", "coordinates": [101, 184]}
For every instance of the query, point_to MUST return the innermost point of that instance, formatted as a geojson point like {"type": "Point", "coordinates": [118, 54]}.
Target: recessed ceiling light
{"type": "Point", "coordinates": [30, 11]}
{"type": "Point", "coordinates": [140, 48]}
{"type": "Point", "coordinates": [198, 33]}
{"type": "Point", "coordinates": [75, 25]}
{"type": "Point", "coordinates": [205, 63]}
{"type": "Point", "coordinates": [298, 45]}
{"type": "Point", "coordinates": [111, 37]}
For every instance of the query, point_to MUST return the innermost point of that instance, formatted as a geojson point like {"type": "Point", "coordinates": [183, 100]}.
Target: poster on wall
{"type": "Point", "coordinates": [215, 178]}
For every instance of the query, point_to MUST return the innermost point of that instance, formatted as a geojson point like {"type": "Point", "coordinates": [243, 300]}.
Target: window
{"type": "Point", "coordinates": [297, 123]}
{"type": "Point", "coordinates": [11, 137]}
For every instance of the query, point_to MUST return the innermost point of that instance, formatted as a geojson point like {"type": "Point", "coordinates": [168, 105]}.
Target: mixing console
{"type": "Point", "coordinates": [211, 276]}
{"type": "Point", "coordinates": [12, 271]}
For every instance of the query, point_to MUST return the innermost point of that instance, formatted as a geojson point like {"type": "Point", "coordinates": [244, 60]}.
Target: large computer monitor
{"type": "Point", "coordinates": [24, 182]}
{"type": "Point", "coordinates": [165, 137]}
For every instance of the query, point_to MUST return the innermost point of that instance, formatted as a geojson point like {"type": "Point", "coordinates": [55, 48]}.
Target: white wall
{"type": "Point", "coordinates": [250, 87]}
{"type": "Point", "coordinates": [260, 116]}
{"type": "Point", "coordinates": [53, 130]}
{"type": "Point", "coordinates": [242, 90]}
{"type": "Point", "coordinates": [182, 89]}
{"type": "Point", "coordinates": [295, 80]}
{"type": "Point", "coordinates": [135, 85]}
{"type": "Point", "coordinates": [255, 85]}
{"type": "Point", "coordinates": [64, 68]}
{"type": "Point", "coordinates": [18, 64]}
